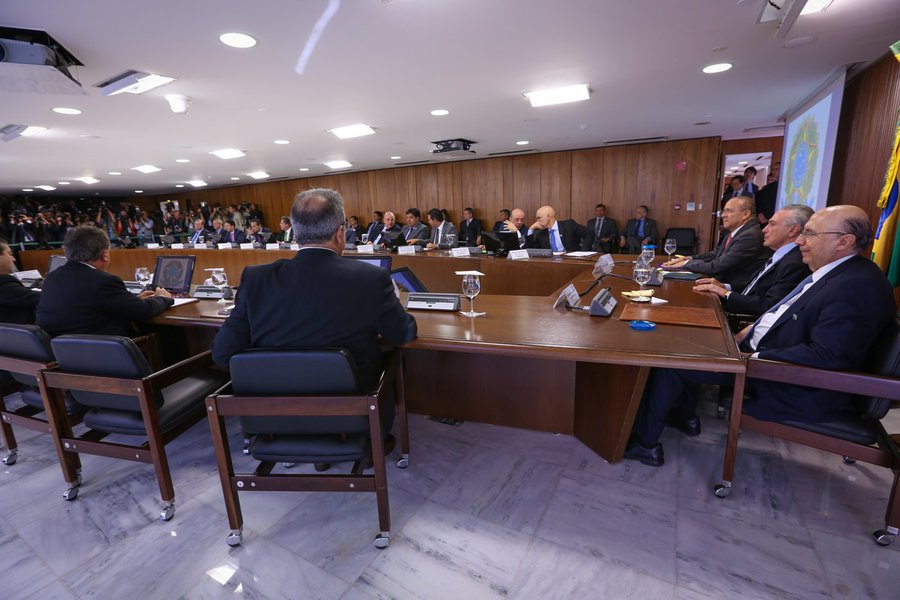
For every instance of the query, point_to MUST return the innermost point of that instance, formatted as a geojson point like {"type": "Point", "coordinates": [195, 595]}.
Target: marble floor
{"type": "Point", "coordinates": [481, 512]}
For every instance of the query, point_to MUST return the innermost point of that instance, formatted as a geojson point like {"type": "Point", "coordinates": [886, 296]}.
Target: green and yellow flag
{"type": "Point", "coordinates": [887, 235]}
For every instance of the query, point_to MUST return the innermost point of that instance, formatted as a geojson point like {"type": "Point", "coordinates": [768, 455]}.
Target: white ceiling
{"type": "Point", "coordinates": [387, 63]}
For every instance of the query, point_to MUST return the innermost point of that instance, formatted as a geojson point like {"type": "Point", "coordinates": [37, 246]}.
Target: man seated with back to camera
{"type": "Point", "coordinates": [740, 253]}
{"type": "Point", "coordinates": [303, 302]}
{"type": "Point", "coordinates": [81, 297]}
{"type": "Point", "coordinates": [784, 269]}
{"type": "Point", "coordinates": [830, 320]}
{"type": "Point", "coordinates": [17, 303]}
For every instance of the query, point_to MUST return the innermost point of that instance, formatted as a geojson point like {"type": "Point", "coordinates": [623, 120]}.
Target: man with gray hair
{"type": "Point", "coordinates": [305, 301]}
{"type": "Point", "coordinates": [784, 269]}
{"type": "Point", "coordinates": [830, 320]}
{"type": "Point", "coordinates": [81, 297]}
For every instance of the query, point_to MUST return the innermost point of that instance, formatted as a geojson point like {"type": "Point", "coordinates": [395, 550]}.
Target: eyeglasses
{"type": "Point", "coordinates": [811, 234]}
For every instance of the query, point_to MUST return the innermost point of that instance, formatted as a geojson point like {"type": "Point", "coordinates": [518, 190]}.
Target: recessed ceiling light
{"type": "Point", "coordinates": [88, 180]}
{"type": "Point", "coordinates": [27, 190]}
{"type": "Point", "coordinates": [304, 169]}
{"type": "Point", "coordinates": [522, 143]}
{"type": "Point", "coordinates": [798, 42]}
{"type": "Point", "coordinates": [338, 164]}
{"type": "Point", "coordinates": [182, 160]}
{"type": "Point", "coordinates": [258, 175]}
{"type": "Point", "coordinates": [179, 185]}
{"type": "Point", "coordinates": [67, 111]}
{"type": "Point", "coordinates": [11, 132]}
{"type": "Point", "coordinates": [440, 112]}
{"type": "Point", "coordinates": [146, 169]}
{"type": "Point", "coordinates": [178, 103]}
{"type": "Point", "coordinates": [115, 173]}
{"type": "Point", "coordinates": [560, 95]}
{"type": "Point", "coordinates": [138, 191]}
{"type": "Point", "coordinates": [46, 188]}
{"type": "Point", "coordinates": [32, 130]}
{"type": "Point", "coordinates": [742, 162]}
{"type": "Point", "coordinates": [237, 40]}
{"type": "Point", "coordinates": [197, 183]}
{"type": "Point", "coordinates": [814, 6]}
{"type": "Point", "coordinates": [352, 131]}
{"type": "Point", "coordinates": [396, 157]}
{"type": "Point", "coordinates": [235, 178]}
{"type": "Point", "coordinates": [226, 153]}
{"type": "Point", "coordinates": [282, 142]}
{"type": "Point", "coordinates": [717, 68]}
{"type": "Point", "coordinates": [133, 82]}
{"type": "Point", "coordinates": [63, 183]}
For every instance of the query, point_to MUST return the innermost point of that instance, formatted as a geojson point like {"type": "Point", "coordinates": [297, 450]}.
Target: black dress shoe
{"type": "Point", "coordinates": [689, 426]}
{"type": "Point", "coordinates": [653, 457]}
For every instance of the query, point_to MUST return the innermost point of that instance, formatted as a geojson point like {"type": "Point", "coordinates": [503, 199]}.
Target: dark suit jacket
{"type": "Point", "coordinates": [17, 303]}
{"type": "Point", "coordinates": [736, 264]}
{"type": "Point", "coordinates": [284, 236]}
{"type": "Point", "coordinates": [765, 199]}
{"type": "Point", "coordinates": [78, 299]}
{"type": "Point", "coordinates": [354, 234]}
{"type": "Point", "coordinates": [239, 237]}
{"type": "Point", "coordinates": [832, 326]}
{"type": "Point", "coordinates": [632, 241]}
{"type": "Point", "coordinates": [303, 302]}
{"type": "Point", "coordinates": [373, 229]}
{"type": "Point", "coordinates": [469, 232]}
{"type": "Point", "coordinates": [380, 230]}
{"type": "Point", "coordinates": [774, 285]}
{"type": "Point", "coordinates": [572, 235]}
{"type": "Point", "coordinates": [448, 229]}
{"type": "Point", "coordinates": [607, 230]}
{"type": "Point", "coordinates": [419, 231]}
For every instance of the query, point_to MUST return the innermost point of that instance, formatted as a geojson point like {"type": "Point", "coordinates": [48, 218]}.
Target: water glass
{"type": "Point", "coordinates": [670, 247]}
{"type": "Point", "coordinates": [219, 278]}
{"type": "Point", "coordinates": [142, 276]}
{"type": "Point", "coordinates": [471, 286]}
{"type": "Point", "coordinates": [451, 239]}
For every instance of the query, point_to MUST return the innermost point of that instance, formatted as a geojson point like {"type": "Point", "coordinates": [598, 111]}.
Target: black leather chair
{"type": "Point", "coordinates": [24, 352]}
{"type": "Point", "coordinates": [856, 435]}
{"type": "Point", "coordinates": [306, 406]}
{"type": "Point", "coordinates": [110, 376]}
{"type": "Point", "coordinates": [685, 239]}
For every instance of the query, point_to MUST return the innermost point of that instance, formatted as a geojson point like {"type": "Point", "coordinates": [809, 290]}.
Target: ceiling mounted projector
{"type": "Point", "coordinates": [456, 148]}
{"type": "Point", "coordinates": [33, 62]}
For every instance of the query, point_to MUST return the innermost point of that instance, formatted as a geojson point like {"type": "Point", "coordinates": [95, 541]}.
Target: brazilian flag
{"type": "Point", "coordinates": [887, 235]}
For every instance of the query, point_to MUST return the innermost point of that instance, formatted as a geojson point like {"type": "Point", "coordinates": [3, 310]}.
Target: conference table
{"type": "Point", "coordinates": [524, 363]}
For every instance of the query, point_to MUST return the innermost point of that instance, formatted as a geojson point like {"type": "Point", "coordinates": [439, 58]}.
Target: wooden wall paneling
{"type": "Point", "coordinates": [449, 190]}
{"type": "Point", "coordinates": [426, 187]}
{"type": "Point", "coordinates": [587, 186]}
{"type": "Point", "coordinates": [405, 187]}
{"type": "Point", "coordinates": [527, 185]}
{"type": "Point", "coordinates": [613, 189]}
{"type": "Point", "coordinates": [473, 187]}
{"type": "Point", "coordinates": [556, 183]}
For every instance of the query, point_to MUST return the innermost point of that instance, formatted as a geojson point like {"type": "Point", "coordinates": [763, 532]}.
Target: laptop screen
{"type": "Point", "coordinates": [383, 262]}
{"type": "Point", "coordinates": [174, 273]}
{"type": "Point", "coordinates": [56, 261]}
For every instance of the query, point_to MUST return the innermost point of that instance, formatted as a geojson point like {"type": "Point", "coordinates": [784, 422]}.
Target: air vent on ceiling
{"type": "Point", "coordinates": [764, 128]}
{"type": "Point", "coordinates": [514, 152]}
{"type": "Point", "coordinates": [646, 140]}
{"type": "Point", "coordinates": [33, 62]}
{"type": "Point", "coordinates": [412, 163]}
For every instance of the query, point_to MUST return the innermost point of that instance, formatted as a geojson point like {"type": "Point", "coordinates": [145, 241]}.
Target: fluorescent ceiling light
{"type": "Point", "coordinates": [46, 188]}
{"type": "Point", "coordinates": [814, 6]}
{"type": "Point", "coordinates": [522, 143]}
{"type": "Point", "coordinates": [88, 180]}
{"type": "Point", "coordinates": [237, 40]}
{"type": "Point", "coordinates": [226, 153]}
{"type": "Point", "coordinates": [282, 142]}
{"type": "Point", "coordinates": [396, 157]}
{"type": "Point", "coordinates": [27, 190]}
{"type": "Point", "coordinates": [138, 191]}
{"type": "Point", "coordinates": [440, 112]}
{"type": "Point", "coordinates": [235, 178]}
{"type": "Point", "coordinates": [133, 82]}
{"type": "Point", "coordinates": [742, 162]}
{"type": "Point", "coordinates": [182, 160]}
{"type": "Point", "coordinates": [338, 164]}
{"type": "Point", "coordinates": [179, 185]}
{"type": "Point", "coordinates": [11, 132]}
{"type": "Point", "coordinates": [178, 104]}
{"type": "Point", "coordinates": [32, 130]}
{"type": "Point", "coordinates": [66, 111]}
{"type": "Point", "coordinates": [146, 169]}
{"type": "Point", "coordinates": [352, 131]}
{"type": "Point", "coordinates": [258, 174]}
{"type": "Point", "coordinates": [63, 183]}
{"type": "Point", "coordinates": [560, 95]}
{"type": "Point", "coordinates": [304, 169]}
{"type": "Point", "coordinates": [115, 173]}
{"type": "Point", "coordinates": [197, 183]}
{"type": "Point", "coordinates": [717, 68]}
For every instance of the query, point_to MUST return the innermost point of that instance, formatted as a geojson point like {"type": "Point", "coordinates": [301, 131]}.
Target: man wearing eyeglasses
{"type": "Point", "coordinates": [739, 255]}
{"type": "Point", "coordinates": [830, 320]}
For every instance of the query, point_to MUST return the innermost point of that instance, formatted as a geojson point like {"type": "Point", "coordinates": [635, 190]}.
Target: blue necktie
{"type": "Point", "coordinates": [553, 246]}
{"type": "Point", "coordinates": [640, 230]}
{"type": "Point", "coordinates": [775, 308]}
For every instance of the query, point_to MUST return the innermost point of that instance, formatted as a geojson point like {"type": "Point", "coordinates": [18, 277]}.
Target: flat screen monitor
{"type": "Point", "coordinates": [499, 242]}
{"type": "Point", "coordinates": [56, 261]}
{"type": "Point", "coordinates": [174, 273]}
{"type": "Point", "coordinates": [407, 280]}
{"type": "Point", "coordinates": [393, 239]}
{"type": "Point", "coordinates": [383, 262]}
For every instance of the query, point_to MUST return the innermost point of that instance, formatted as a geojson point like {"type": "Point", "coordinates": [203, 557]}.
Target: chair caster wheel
{"type": "Point", "coordinates": [883, 538]}
{"type": "Point", "coordinates": [11, 458]}
{"type": "Point", "coordinates": [234, 538]}
{"type": "Point", "coordinates": [167, 513]}
{"type": "Point", "coordinates": [403, 462]}
{"type": "Point", "coordinates": [288, 465]}
{"type": "Point", "coordinates": [71, 493]}
{"type": "Point", "coordinates": [321, 467]}
{"type": "Point", "coordinates": [721, 490]}
{"type": "Point", "coordinates": [382, 540]}
{"type": "Point", "coordinates": [848, 460]}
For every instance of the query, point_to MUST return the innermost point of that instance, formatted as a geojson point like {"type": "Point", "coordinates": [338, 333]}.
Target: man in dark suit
{"type": "Point", "coordinates": [232, 234]}
{"type": "Point", "coordinates": [830, 320]}
{"type": "Point", "coordinates": [201, 234]}
{"type": "Point", "coordinates": [286, 235]}
{"type": "Point", "coordinates": [602, 231]}
{"type": "Point", "coordinates": [500, 225]}
{"type": "Point", "coordinates": [767, 196]}
{"type": "Point", "coordinates": [415, 231]}
{"type": "Point", "coordinates": [303, 302]}
{"type": "Point", "coordinates": [740, 253]}
{"type": "Point", "coordinates": [560, 236]}
{"type": "Point", "coordinates": [257, 233]}
{"type": "Point", "coordinates": [638, 231]}
{"type": "Point", "coordinates": [443, 233]}
{"type": "Point", "coordinates": [749, 188]}
{"type": "Point", "coordinates": [81, 297]}
{"type": "Point", "coordinates": [733, 189]}
{"type": "Point", "coordinates": [388, 226]}
{"type": "Point", "coordinates": [469, 228]}
{"type": "Point", "coordinates": [17, 303]}
{"type": "Point", "coordinates": [375, 226]}
{"type": "Point", "coordinates": [354, 230]}
{"type": "Point", "coordinates": [778, 276]}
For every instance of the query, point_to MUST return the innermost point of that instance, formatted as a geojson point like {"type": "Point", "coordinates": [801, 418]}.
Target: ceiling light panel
{"type": "Point", "coordinates": [226, 153]}
{"type": "Point", "coordinates": [88, 180]}
{"type": "Point", "coordinates": [258, 175]}
{"type": "Point", "coordinates": [197, 183]}
{"type": "Point", "coordinates": [132, 82]}
{"type": "Point", "coordinates": [560, 95]}
{"type": "Point", "coordinates": [237, 40]}
{"type": "Point", "coordinates": [66, 111]}
{"type": "Point", "coordinates": [717, 68]}
{"type": "Point", "coordinates": [146, 169]}
{"type": "Point", "coordinates": [352, 131]}
{"type": "Point", "coordinates": [338, 164]}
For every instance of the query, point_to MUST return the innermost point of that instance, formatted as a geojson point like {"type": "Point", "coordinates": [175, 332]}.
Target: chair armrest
{"type": "Point", "coordinates": [391, 364]}
{"type": "Point", "coordinates": [180, 370]}
{"type": "Point", "coordinates": [149, 347]}
{"type": "Point", "coordinates": [863, 384]}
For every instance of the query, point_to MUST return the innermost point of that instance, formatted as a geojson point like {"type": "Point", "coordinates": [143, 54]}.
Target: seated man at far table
{"type": "Point", "coordinates": [81, 297]}
{"type": "Point", "coordinates": [830, 320]}
{"type": "Point", "coordinates": [550, 234]}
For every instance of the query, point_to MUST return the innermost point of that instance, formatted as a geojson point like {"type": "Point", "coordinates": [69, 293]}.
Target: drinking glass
{"type": "Point", "coordinates": [670, 247]}
{"type": "Point", "coordinates": [642, 272]}
{"type": "Point", "coordinates": [201, 241]}
{"type": "Point", "coordinates": [219, 279]}
{"type": "Point", "coordinates": [451, 241]}
{"type": "Point", "coordinates": [648, 254]}
{"type": "Point", "coordinates": [364, 237]}
{"type": "Point", "coordinates": [471, 285]}
{"type": "Point", "coordinates": [142, 276]}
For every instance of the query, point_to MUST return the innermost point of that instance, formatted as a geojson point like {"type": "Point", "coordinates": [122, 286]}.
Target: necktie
{"type": "Point", "coordinates": [758, 276]}
{"type": "Point", "coordinates": [727, 242]}
{"type": "Point", "coordinates": [409, 233]}
{"type": "Point", "coordinates": [437, 234]}
{"type": "Point", "coordinates": [640, 229]}
{"type": "Point", "coordinates": [553, 245]}
{"type": "Point", "coordinates": [195, 238]}
{"type": "Point", "coordinates": [775, 308]}
{"type": "Point", "coordinates": [599, 225]}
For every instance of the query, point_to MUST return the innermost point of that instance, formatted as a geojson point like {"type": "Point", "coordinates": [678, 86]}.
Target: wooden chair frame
{"type": "Point", "coordinates": [69, 446]}
{"type": "Point", "coordinates": [220, 405]}
{"type": "Point", "coordinates": [886, 454]}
